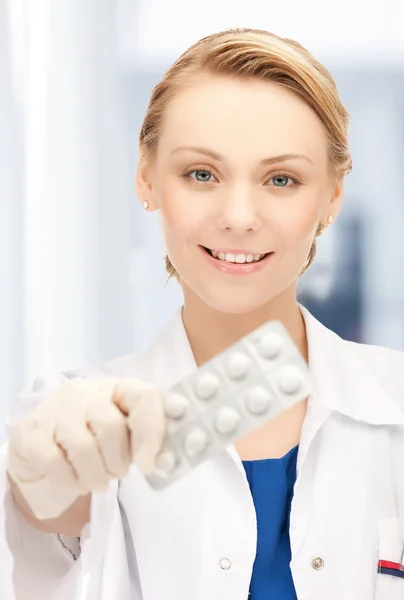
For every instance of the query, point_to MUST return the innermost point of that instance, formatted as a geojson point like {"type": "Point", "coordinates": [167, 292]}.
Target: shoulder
{"type": "Point", "coordinates": [133, 364]}
{"type": "Point", "coordinates": [140, 363]}
{"type": "Point", "coordinates": [385, 364]}
{"type": "Point", "coordinates": [378, 357]}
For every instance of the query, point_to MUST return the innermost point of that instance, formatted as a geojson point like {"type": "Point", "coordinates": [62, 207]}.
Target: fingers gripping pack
{"type": "Point", "coordinates": [236, 392]}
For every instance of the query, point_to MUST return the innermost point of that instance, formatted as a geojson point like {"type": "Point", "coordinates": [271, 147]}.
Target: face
{"type": "Point", "coordinates": [242, 181]}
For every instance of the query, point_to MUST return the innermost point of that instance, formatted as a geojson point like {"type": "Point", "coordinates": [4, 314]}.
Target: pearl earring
{"type": "Point", "coordinates": [330, 219]}
{"type": "Point", "coordinates": [145, 205]}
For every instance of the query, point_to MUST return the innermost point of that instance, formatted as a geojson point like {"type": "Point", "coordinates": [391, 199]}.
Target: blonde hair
{"type": "Point", "coordinates": [255, 54]}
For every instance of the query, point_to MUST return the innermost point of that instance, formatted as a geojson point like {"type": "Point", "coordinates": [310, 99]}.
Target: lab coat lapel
{"type": "Point", "coordinates": [343, 381]}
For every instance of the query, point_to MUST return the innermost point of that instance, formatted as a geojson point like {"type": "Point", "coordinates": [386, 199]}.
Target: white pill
{"type": "Point", "coordinates": [175, 406]}
{"type": "Point", "coordinates": [290, 380]}
{"type": "Point", "coordinates": [238, 365]}
{"type": "Point", "coordinates": [269, 345]}
{"type": "Point", "coordinates": [166, 461]}
{"type": "Point", "coordinates": [258, 400]}
{"type": "Point", "coordinates": [195, 442]}
{"type": "Point", "coordinates": [227, 420]}
{"type": "Point", "coordinates": [207, 385]}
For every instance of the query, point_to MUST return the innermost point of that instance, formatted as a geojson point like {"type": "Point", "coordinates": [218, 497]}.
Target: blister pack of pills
{"type": "Point", "coordinates": [225, 399]}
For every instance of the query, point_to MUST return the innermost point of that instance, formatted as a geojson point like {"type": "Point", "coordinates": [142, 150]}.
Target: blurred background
{"type": "Point", "coordinates": [81, 264]}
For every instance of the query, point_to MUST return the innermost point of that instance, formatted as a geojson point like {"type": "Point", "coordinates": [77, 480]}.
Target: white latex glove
{"type": "Point", "coordinates": [77, 440]}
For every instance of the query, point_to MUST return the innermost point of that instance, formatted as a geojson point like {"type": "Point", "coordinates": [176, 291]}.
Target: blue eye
{"type": "Point", "coordinates": [201, 175]}
{"type": "Point", "coordinates": [281, 180]}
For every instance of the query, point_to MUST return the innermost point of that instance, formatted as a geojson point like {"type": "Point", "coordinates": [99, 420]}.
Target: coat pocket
{"type": "Point", "coordinates": [390, 568]}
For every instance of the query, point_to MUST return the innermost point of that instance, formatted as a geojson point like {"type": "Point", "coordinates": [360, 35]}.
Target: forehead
{"type": "Point", "coordinates": [248, 117]}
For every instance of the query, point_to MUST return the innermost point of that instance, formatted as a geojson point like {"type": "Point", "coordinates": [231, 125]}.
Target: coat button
{"type": "Point", "coordinates": [317, 563]}
{"type": "Point", "coordinates": [224, 564]}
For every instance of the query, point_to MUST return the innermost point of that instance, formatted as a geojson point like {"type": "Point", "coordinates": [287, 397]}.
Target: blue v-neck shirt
{"type": "Point", "coordinates": [271, 482]}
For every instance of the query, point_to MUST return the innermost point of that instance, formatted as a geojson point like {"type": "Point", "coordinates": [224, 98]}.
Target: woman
{"type": "Point", "coordinates": [243, 153]}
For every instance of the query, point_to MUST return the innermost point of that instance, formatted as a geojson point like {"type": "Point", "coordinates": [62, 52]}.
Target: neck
{"type": "Point", "coordinates": [210, 332]}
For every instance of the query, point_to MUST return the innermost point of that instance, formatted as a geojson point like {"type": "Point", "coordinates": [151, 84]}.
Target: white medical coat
{"type": "Point", "coordinates": [347, 512]}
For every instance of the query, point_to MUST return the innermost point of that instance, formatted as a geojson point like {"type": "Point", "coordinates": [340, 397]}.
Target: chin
{"type": "Point", "coordinates": [234, 295]}
{"type": "Point", "coordinates": [240, 303]}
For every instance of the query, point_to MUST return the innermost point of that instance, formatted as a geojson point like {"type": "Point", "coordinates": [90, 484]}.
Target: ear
{"type": "Point", "coordinates": [335, 203]}
{"type": "Point", "coordinates": [144, 185]}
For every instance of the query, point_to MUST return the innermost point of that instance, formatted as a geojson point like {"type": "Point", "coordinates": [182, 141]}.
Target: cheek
{"type": "Point", "coordinates": [182, 216]}
{"type": "Point", "coordinates": [297, 225]}
{"type": "Point", "coordinates": [304, 227]}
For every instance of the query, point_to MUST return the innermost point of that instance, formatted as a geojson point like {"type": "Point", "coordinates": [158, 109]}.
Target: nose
{"type": "Point", "coordinates": [239, 211]}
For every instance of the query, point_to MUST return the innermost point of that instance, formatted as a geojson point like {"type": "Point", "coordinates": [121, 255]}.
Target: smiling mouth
{"type": "Point", "coordinates": [230, 257]}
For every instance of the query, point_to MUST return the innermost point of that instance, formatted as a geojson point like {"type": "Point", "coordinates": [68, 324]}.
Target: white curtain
{"type": "Point", "coordinates": [11, 218]}
{"type": "Point", "coordinates": [66, 191]}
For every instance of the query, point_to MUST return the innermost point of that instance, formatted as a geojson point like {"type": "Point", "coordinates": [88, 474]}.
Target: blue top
{"type": "Point", "coordinates": [271, 483]}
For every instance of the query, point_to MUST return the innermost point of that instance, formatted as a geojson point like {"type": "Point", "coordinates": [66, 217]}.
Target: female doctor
{"type": "Point", "coordinates": [243, 153]}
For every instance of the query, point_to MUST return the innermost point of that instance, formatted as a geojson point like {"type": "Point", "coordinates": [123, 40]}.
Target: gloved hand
{"type": "Point", "coordinates": [77, 440]}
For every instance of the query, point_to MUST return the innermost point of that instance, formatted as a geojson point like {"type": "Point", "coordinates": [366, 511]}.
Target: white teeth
{"type": "Point", "coordinates": [237, 258]}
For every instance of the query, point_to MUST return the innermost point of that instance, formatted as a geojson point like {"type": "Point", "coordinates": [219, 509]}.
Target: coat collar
{"type": "Point", "coordinates": [344, 383]}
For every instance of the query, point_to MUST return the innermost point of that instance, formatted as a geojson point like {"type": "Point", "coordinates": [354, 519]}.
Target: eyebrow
{"type": "Point", "coordinates": [265, 161]}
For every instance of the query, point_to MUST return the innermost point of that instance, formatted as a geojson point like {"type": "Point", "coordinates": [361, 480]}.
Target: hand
{"type": "Point", "coordinates": [81, 437]}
